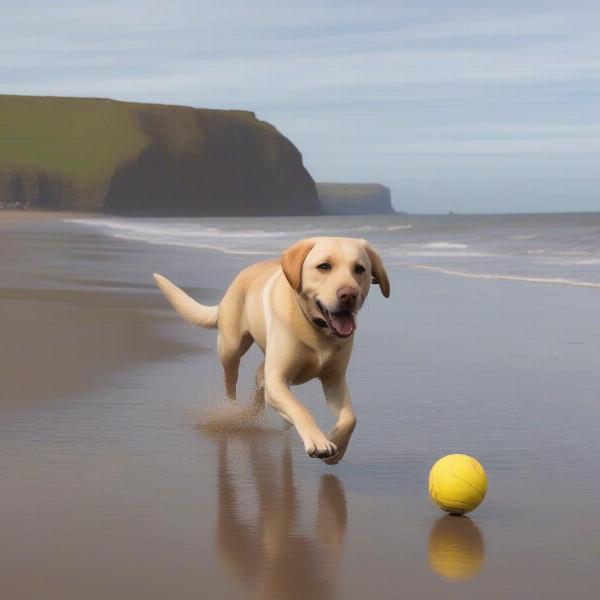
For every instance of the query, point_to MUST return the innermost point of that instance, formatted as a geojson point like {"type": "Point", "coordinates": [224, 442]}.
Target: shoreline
{"type": "Point", "coordinates": [24, 216]}
{"type": "Point", "coordinates": [417, 246]}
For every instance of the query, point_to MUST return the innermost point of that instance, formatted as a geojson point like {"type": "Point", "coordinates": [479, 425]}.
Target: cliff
{"type": "Point", "coordinates": [146, 159]}
{"type": "Point", "coordinates": [355, 198]}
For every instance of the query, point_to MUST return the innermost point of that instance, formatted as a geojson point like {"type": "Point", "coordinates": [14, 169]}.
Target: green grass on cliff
{"type": "Point", "coordinates": [82, 139]}
{"type": "Point", "coordinates": [85, 139]}
{"type": "Point", "coordinates": [89, 153]}
{"type": "Point", "coordinates": [349, 190]}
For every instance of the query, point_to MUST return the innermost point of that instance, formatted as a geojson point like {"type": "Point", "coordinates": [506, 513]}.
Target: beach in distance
{"type": "Point", "coordinates": [489, 345]}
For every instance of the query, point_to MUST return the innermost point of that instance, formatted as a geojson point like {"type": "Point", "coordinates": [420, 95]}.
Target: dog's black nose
{"type": "Point", "coordinates": [348, 295]}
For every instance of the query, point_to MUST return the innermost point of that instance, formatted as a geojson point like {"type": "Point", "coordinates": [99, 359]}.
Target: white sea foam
{"type": "Point", "coordinates": [437, 250]}
{"type": "Point", "coordinates": [365, 228]}
{"type": "Point", "coordinates": [200, 245]}
{"type": "Point", "coordinates": [445, 246]}
{"type": "Point", "coordinates": [552, 252]}
{"type": "Point", "coordinates": [237, 241]}
{"type": "Point", "coordinates": [180, 229]}
{"type": "Point", "coordinates": [182, 235]}
{"type": "Point", "coordinates": [430, 254]}
{"type": "Point", "coordinates": [527, 279]}
{"type": "Point", "coordinates": [398, 227]}
{"type": "Point", "coordinates": [147, 230]}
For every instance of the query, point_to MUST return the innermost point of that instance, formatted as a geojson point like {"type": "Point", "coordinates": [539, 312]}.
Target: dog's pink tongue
{"type": "Point", "coordinates": [343, 323]}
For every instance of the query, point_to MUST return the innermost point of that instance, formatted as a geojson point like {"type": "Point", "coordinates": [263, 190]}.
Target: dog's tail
{"type": "Point", "coordinates": [190, 310]}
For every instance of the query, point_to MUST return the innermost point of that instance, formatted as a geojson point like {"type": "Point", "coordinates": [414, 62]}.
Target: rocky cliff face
{"type": "Point", "coordinates": [29, 187]}
{"type": "Point", "coordinates": [147, 160]}
{"type": "Point", "coordinates": [212, 163]}
{"type": "Point", "coordinates": [355, 198]}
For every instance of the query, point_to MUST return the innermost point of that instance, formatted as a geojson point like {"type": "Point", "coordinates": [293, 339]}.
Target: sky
{"type": "Point", "coordinates": [456, 105]}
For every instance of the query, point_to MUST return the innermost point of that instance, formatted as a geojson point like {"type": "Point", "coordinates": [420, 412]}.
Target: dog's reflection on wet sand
{"type": "Point", "coordinates": [268, 551]}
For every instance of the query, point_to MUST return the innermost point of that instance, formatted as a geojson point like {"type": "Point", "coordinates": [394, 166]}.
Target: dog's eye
{"type": "Point", "coordinates": [324, 267]}
{"type": "Point", "coordinates": [359, 269]}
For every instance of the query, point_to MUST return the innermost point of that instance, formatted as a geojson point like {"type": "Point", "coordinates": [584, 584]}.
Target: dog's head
{"type": "Point", "coordinates": [332, 277]}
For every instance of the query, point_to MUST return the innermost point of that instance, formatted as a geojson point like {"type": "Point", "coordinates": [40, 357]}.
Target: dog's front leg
{"type": "Point", "coordinates": [338, 398]}
{"type": "Point", "coordinates": [278, 395]}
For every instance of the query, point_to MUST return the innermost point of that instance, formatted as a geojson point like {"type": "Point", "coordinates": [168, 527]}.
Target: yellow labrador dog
{"type": "Point", "coordinates": [301, 311]}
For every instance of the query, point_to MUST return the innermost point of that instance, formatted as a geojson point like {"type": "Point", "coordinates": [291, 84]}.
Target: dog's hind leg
{"type": "Point", "coordinates": [231, 349]}
{"type": "Point", "coordinates": [258, 396]}
{"type": "Point", "coordinates": [259, 377]}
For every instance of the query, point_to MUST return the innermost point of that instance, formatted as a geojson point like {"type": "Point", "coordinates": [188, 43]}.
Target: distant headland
{"type": "Point", "coordinates": [135, 159]}
{"type": "Point", "coordinates": [355, 198]}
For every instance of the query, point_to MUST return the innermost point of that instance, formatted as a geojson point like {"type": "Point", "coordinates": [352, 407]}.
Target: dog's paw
{"type": "Point", "coordinates": [318, 446]}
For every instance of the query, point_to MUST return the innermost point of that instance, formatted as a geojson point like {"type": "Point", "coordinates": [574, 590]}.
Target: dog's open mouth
{"type": "Point", "coordinates": [342, 322]}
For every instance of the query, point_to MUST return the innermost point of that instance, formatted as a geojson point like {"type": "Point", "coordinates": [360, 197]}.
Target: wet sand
{"type": "Point", "coordinates": [110, 490]}
{"type": "Point", "coordinates": [62, 333]}
{"type": "Point", "coordinates": [20, 216]}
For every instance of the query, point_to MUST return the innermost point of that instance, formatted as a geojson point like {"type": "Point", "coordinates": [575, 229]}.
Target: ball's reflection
{"type": "Point", "coordinates": [456, 548]}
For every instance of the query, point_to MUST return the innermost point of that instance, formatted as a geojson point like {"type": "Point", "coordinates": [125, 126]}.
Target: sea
{"type": "Point", "coordinates": [552, 249]}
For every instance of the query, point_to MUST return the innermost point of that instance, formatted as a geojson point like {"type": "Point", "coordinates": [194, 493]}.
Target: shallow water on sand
{"type": "Point", "coordinates": [110, 490]}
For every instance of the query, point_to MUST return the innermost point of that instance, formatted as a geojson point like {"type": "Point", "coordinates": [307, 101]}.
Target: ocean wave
{"type": "Point", "coordinates": [207, 236]}
{"type": "Point", "coordinates": [445, 245]}
{"type": "Point", "coordinates": [429, 254]}
{"type": "Point", "coordinates": [552, 252]}
{"type": "Point", "coordinates": [253, 237]}
{"type": "Point", "coordinates": [198, 244]}
{"type": "Point", "coordinates": [398, 227]}
{"type": "Point", "coordinates": [182, 229]}
{"type": "Point", "coordinates": [523, 278]}
{"type": "Point", "coordinates": [211, 231]}
{"type": "Point", "coordinates": [184, 235]}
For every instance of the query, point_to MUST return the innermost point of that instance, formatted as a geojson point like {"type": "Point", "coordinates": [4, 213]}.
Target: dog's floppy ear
{"type": "Point", "coordinates": [378, 272]}
{"type": "Point", "coordinates": [293, 259]}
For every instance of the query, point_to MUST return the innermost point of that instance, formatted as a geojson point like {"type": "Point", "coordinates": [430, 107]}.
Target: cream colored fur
{"type": "Point", "coordinates": [277, 305]}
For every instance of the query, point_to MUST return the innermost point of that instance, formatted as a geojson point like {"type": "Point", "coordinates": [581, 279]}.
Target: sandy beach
{"type": "Point", "coordinates": [19, 216]}
{"type": "Point", "coordinates": [110, 490]}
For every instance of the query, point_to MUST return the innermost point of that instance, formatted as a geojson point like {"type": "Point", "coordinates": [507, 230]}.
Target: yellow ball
{"type": "Point", "coordinates": [457, 483]}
